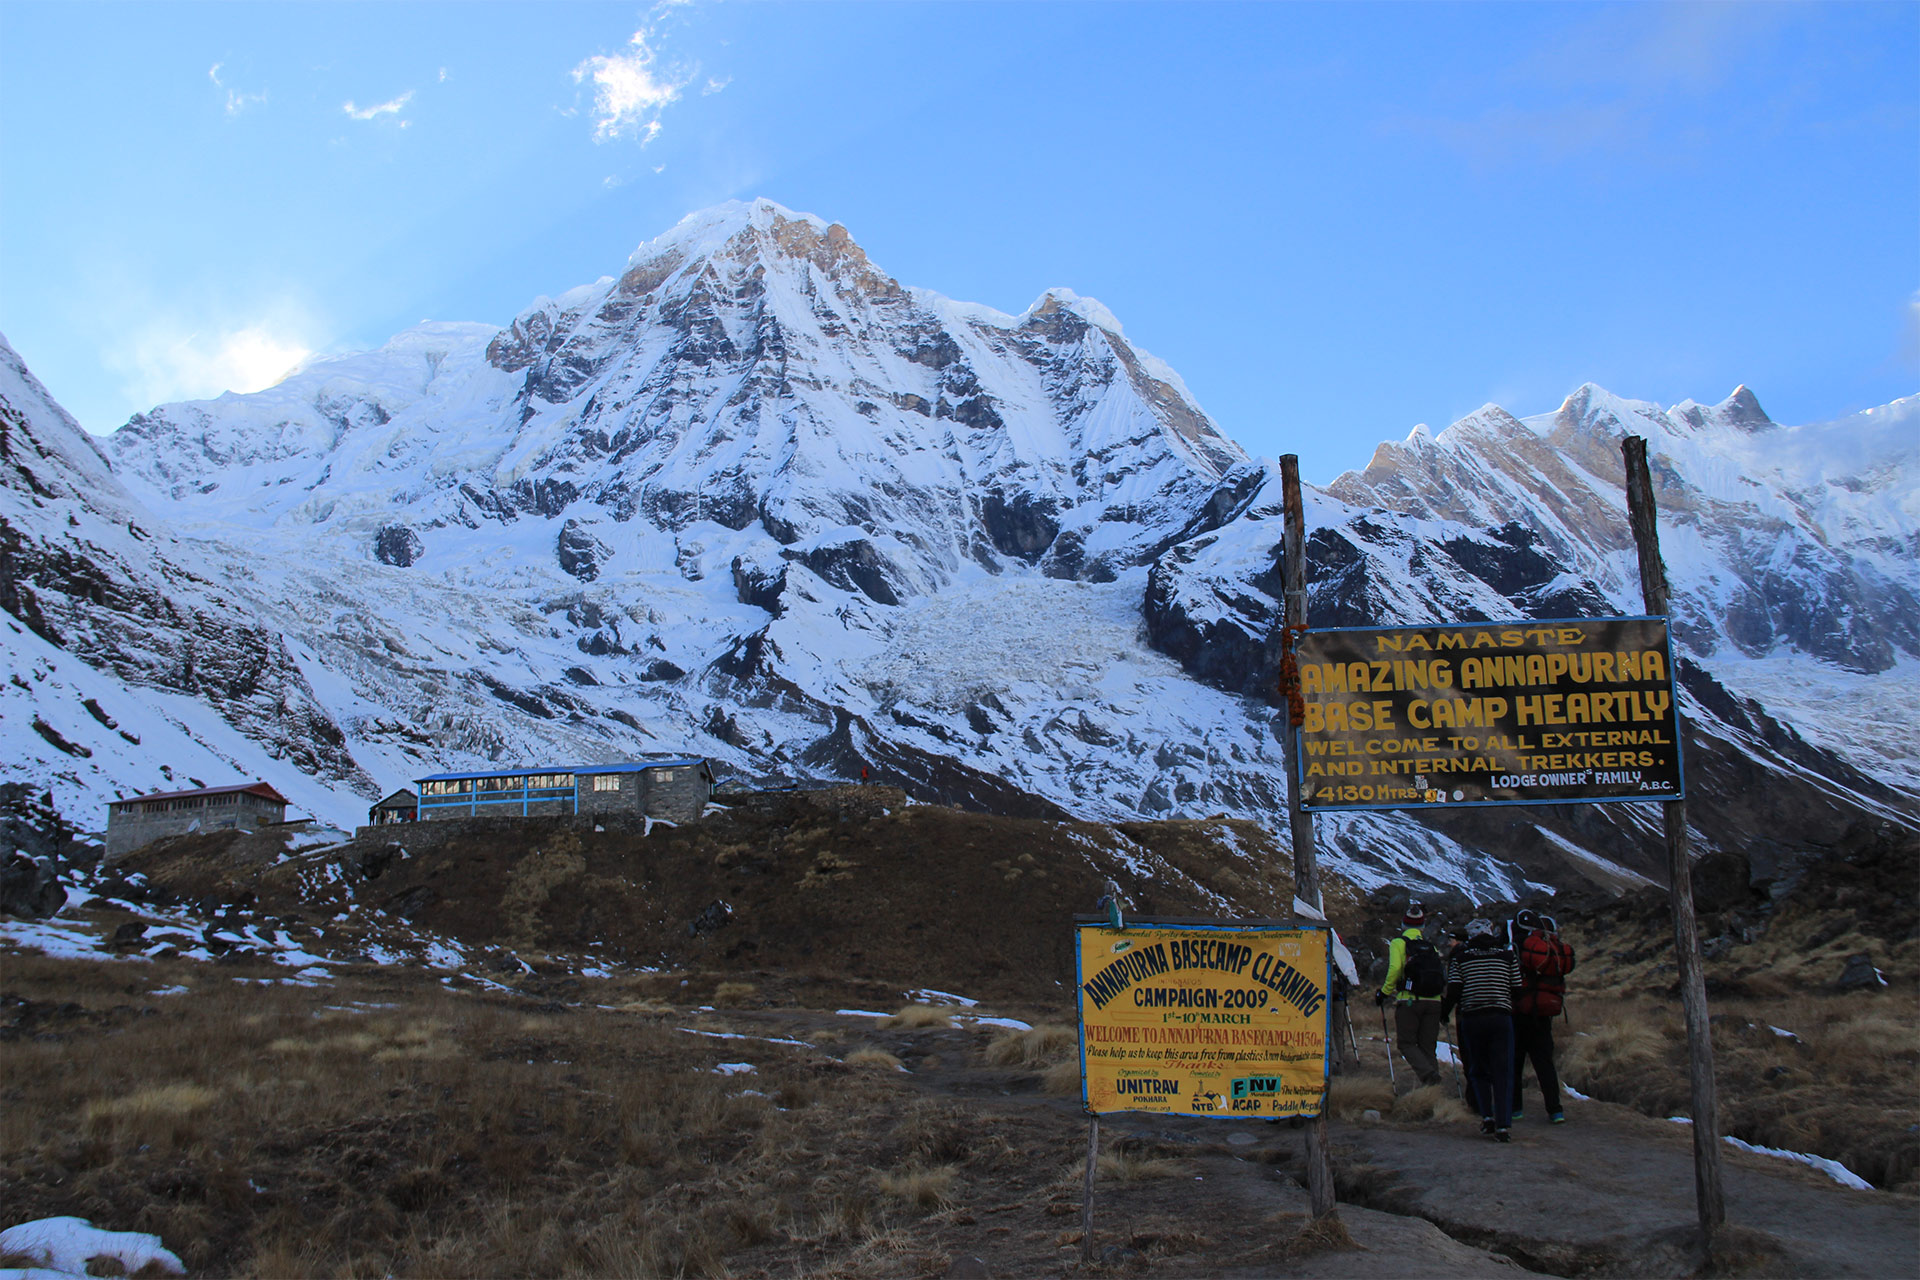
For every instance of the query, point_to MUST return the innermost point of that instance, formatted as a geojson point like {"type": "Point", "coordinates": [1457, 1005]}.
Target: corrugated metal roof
{"type": "Point", "coordinates": [673, 762]}
{"type": "Point", "coordinates": [261, 789]}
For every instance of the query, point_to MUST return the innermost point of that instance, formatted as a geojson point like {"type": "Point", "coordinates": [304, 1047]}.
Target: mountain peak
{"type": "Point", "coordinates": [1742, 409]}
{"type": "Point", "coordinates": [745, 231]}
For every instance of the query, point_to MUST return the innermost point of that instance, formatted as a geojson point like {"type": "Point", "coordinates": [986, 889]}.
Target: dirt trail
{"type": "Point", "coordinates": [1608, 1194]}
{"type": "Point", "coordinates": [1611, 1189]}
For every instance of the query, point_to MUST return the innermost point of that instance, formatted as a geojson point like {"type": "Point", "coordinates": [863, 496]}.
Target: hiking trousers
{"type": "Point", "coordinates": [1417, 1029]}
{"type": "Point", "coordinates": [1489, 1041]}
{"type": "Point", "coordinates": [1533, 1039]}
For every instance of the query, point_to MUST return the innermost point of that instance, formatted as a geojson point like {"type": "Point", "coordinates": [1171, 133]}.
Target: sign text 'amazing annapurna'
{"type": "Point", "coordinates": [1488, 713]}
{"type": "Point", "coordinates": [1204, 1019]}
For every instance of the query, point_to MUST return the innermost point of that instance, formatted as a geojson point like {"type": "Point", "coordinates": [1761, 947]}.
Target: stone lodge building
{"type": "Point", "coordinates": [674, 788]}
{"type": "Point", "coordinates": [140, 820]}
{"type": "Point", "coordinates": [401, 806]}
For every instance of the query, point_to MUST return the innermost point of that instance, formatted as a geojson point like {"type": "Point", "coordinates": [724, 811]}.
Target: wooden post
{"type": "Point", "coordinates": [1686, 932]}
{"type": "Point", "coordinates": [1086, 1191]}
{"type": "Point", "coordinates": [1306, 870]}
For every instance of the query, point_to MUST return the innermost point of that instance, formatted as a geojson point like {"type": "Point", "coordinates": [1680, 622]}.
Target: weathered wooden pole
{"type": "Point", "coordinates": [1686, 932]}
{"type": "Point", "coordinates": [1306, 870]}
{"type": "Point", "coordinates": [1086, 1191]}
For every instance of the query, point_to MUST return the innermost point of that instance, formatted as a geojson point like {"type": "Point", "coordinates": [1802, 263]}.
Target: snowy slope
{"type": "Point", "coordinates": [128, 665]}
{"type": "Point", "coordinates": [754, 498]}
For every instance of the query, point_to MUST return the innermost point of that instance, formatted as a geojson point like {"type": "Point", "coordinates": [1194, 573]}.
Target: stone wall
{"type": "Point", "coordinates": [130, 828]}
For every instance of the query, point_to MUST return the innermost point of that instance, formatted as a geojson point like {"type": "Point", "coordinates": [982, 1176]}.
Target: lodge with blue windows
{"type": "Point", "coordinates": [675, 788]}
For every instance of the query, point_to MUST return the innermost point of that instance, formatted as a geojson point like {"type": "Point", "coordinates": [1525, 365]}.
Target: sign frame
{"type": "Point", "coordinates": [1444, 801]}
{"type": "Point", "coordinates": [1208, 924]}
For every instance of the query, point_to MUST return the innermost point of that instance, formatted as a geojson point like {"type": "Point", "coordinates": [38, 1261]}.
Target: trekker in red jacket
{"type": "Point", "coordinates": [1545, 962]}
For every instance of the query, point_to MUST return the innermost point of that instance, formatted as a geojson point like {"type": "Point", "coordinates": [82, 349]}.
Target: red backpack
{"type": "Point", "coordinates": [1545, 962]}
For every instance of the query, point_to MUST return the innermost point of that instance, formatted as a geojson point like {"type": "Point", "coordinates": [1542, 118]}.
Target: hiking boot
{"type": "Point", "coordinates": [1501, 1135]}
{"type": "Point", "coordinates": [1519, 1115]}
{"type": "Point", "coordinates": [1557, 1117]}
{"type": "Point", "coordinates": [1486, 1127]}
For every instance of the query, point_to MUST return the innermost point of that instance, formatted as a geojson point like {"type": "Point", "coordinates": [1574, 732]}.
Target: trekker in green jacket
{"type": "Point", "coordinates": [1416, 979]}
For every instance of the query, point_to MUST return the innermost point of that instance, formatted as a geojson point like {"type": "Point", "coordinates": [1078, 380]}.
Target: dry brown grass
{"type": "Point", "coordinates": [920, 1017]}
{"type": "Point", "coordinates": [1321, 1235]}
{"type": "Point", "coordinates": [261, 1132]}
{"type": "Point", "coordinates": [1039, 1046]}
{"type": "Point", "coordinates": [731, 995]}
{"type": "Point", "coordinates": [1625, 1041]}
{"type": "Point", "coordinates": [159, 1115]}
{"type": "Point", "coordinates": [871, 1057]}
{"type": "Point", "coordinates": [1432, 1104]}
{"type": "Point", "coordinates": [1133, 1166]}
{"type": "Point", "coordinates": [1062, 1079]}
{"type": "Point", "coordinates": [922, 1188]}
{"type": "Point", "coordinates": [1350, 1096]}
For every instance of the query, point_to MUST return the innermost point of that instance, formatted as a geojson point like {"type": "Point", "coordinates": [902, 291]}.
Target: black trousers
{"type": "Point", "coordinates": [1533, 1039]}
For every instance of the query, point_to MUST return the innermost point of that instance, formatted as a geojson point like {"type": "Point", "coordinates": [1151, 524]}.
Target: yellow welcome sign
{"type": "Point", "coordinates": [1204, 1018]}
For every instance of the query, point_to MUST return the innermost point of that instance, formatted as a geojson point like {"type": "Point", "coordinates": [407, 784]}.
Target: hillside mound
{"type": "Point", "coordinates": [847, 882]}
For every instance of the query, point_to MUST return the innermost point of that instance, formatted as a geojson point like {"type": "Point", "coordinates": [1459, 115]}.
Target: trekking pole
{"type": "Point", "coordinates": [1453, 1056]}
{"type": "Point", "coordinates": [1392, 1079]}
{"type": "Point", "coordinates": [1351, 1038]}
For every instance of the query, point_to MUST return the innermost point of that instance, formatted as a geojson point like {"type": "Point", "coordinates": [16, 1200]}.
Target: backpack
{"type": "Point", "coordinates": [1544, 964]}
{"type": "Point", "coordinates": [1425, 974]}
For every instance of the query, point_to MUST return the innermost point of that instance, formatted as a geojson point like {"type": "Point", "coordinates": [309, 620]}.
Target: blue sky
{"type": "Point", "coordinates": [1335, 220]}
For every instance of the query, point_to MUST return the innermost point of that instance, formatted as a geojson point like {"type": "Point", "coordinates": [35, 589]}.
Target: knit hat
{"type": "Point", "coordinates": [1479, 928]}
{"type": "Point", "coordinates": [1416, 914]}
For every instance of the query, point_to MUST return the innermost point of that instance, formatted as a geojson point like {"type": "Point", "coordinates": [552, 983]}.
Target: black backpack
{"type": "Point", "coordinates": [1425, 974]}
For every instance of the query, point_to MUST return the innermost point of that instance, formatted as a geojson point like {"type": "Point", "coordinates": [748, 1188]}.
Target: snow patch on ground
{"type": "Point", "coordinates": [65, 1246]}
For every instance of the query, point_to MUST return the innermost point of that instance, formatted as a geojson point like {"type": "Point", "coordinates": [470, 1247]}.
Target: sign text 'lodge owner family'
{"type": "Point", "coordinates": [1203, 1019]}
{"type": "Point", "coordinates": [1494, 713]}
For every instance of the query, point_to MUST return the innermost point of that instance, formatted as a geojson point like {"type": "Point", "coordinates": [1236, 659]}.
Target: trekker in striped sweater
{"type": "Point", "coordinates": [1482, 979]}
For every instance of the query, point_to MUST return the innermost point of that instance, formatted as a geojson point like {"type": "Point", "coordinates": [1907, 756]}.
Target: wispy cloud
{"type": "Point", "coordinates": [631, 89]}
{"type": "Point", "coordinates": [392, 107]}
{"type": "Point", "coordinates": [715, 84]}
{"type": "Point", "coordinates": [1909, 347]}
{"type": "Point", "coordinates": [167, 360]}
{"type": "Point", "coordinates": [236, 101]}
{"type": "Point", "coordinates": [1606, 84]}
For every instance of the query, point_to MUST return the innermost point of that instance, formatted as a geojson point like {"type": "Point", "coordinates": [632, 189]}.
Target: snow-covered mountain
{"type": "Point", "coordinates": [129, 665]}
{"type": "Point", "coordinates": [755, 498]}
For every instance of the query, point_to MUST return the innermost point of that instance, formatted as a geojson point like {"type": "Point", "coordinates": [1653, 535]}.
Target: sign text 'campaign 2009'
{"type": "Point", "coordinates": [1204, 1019]}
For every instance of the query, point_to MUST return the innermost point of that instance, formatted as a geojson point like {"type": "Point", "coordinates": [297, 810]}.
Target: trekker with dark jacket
{"type": "Point", "coordinates": [1416, 977]}
{"type": "Point", "coordinates": [1456, 939]}
{"type": "Point", "coordinates": [1482, 980]}
{"type": "Point", "coordinates": [1545, 962]}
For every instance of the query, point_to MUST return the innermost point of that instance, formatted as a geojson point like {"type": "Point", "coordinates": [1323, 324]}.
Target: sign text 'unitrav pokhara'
{"type": "Point", "coordinates": [1493, 713]}
{"type": "Point", "coordinates": [1203, 1019]}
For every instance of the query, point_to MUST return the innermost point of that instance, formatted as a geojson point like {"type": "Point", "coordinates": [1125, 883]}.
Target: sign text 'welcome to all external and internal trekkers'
{"type": "Point", "coordinates": [1519, 713]}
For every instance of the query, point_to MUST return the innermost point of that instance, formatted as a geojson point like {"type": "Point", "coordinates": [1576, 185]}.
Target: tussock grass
{"type": "Point", "coordinates": [1321, 1235]}
{"type": "Point", "coordinates": [160, 1115]}
{"type": "Point", "coordinates": [871, 1057]}
{"type": "Point", "coordinates": [1349, 1096]}
{"type": "Point", "coordinates": [1432, 1104]}
{"type": "Point", "coordinates": [921, 1188]}
{"type": "Point", "coordinates": [731, 995]}
{"type": "Point", "coordinates": [1062, 1079]}
{"type": "Point", "coordinates": [1038, 1046]}
{"type": "Point", "coordinates": [1622, 1042]}
{"type": "Point", "coordinates": [920, 1017]}
{"type": "Point", "coordinates": [1133, 1166]}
